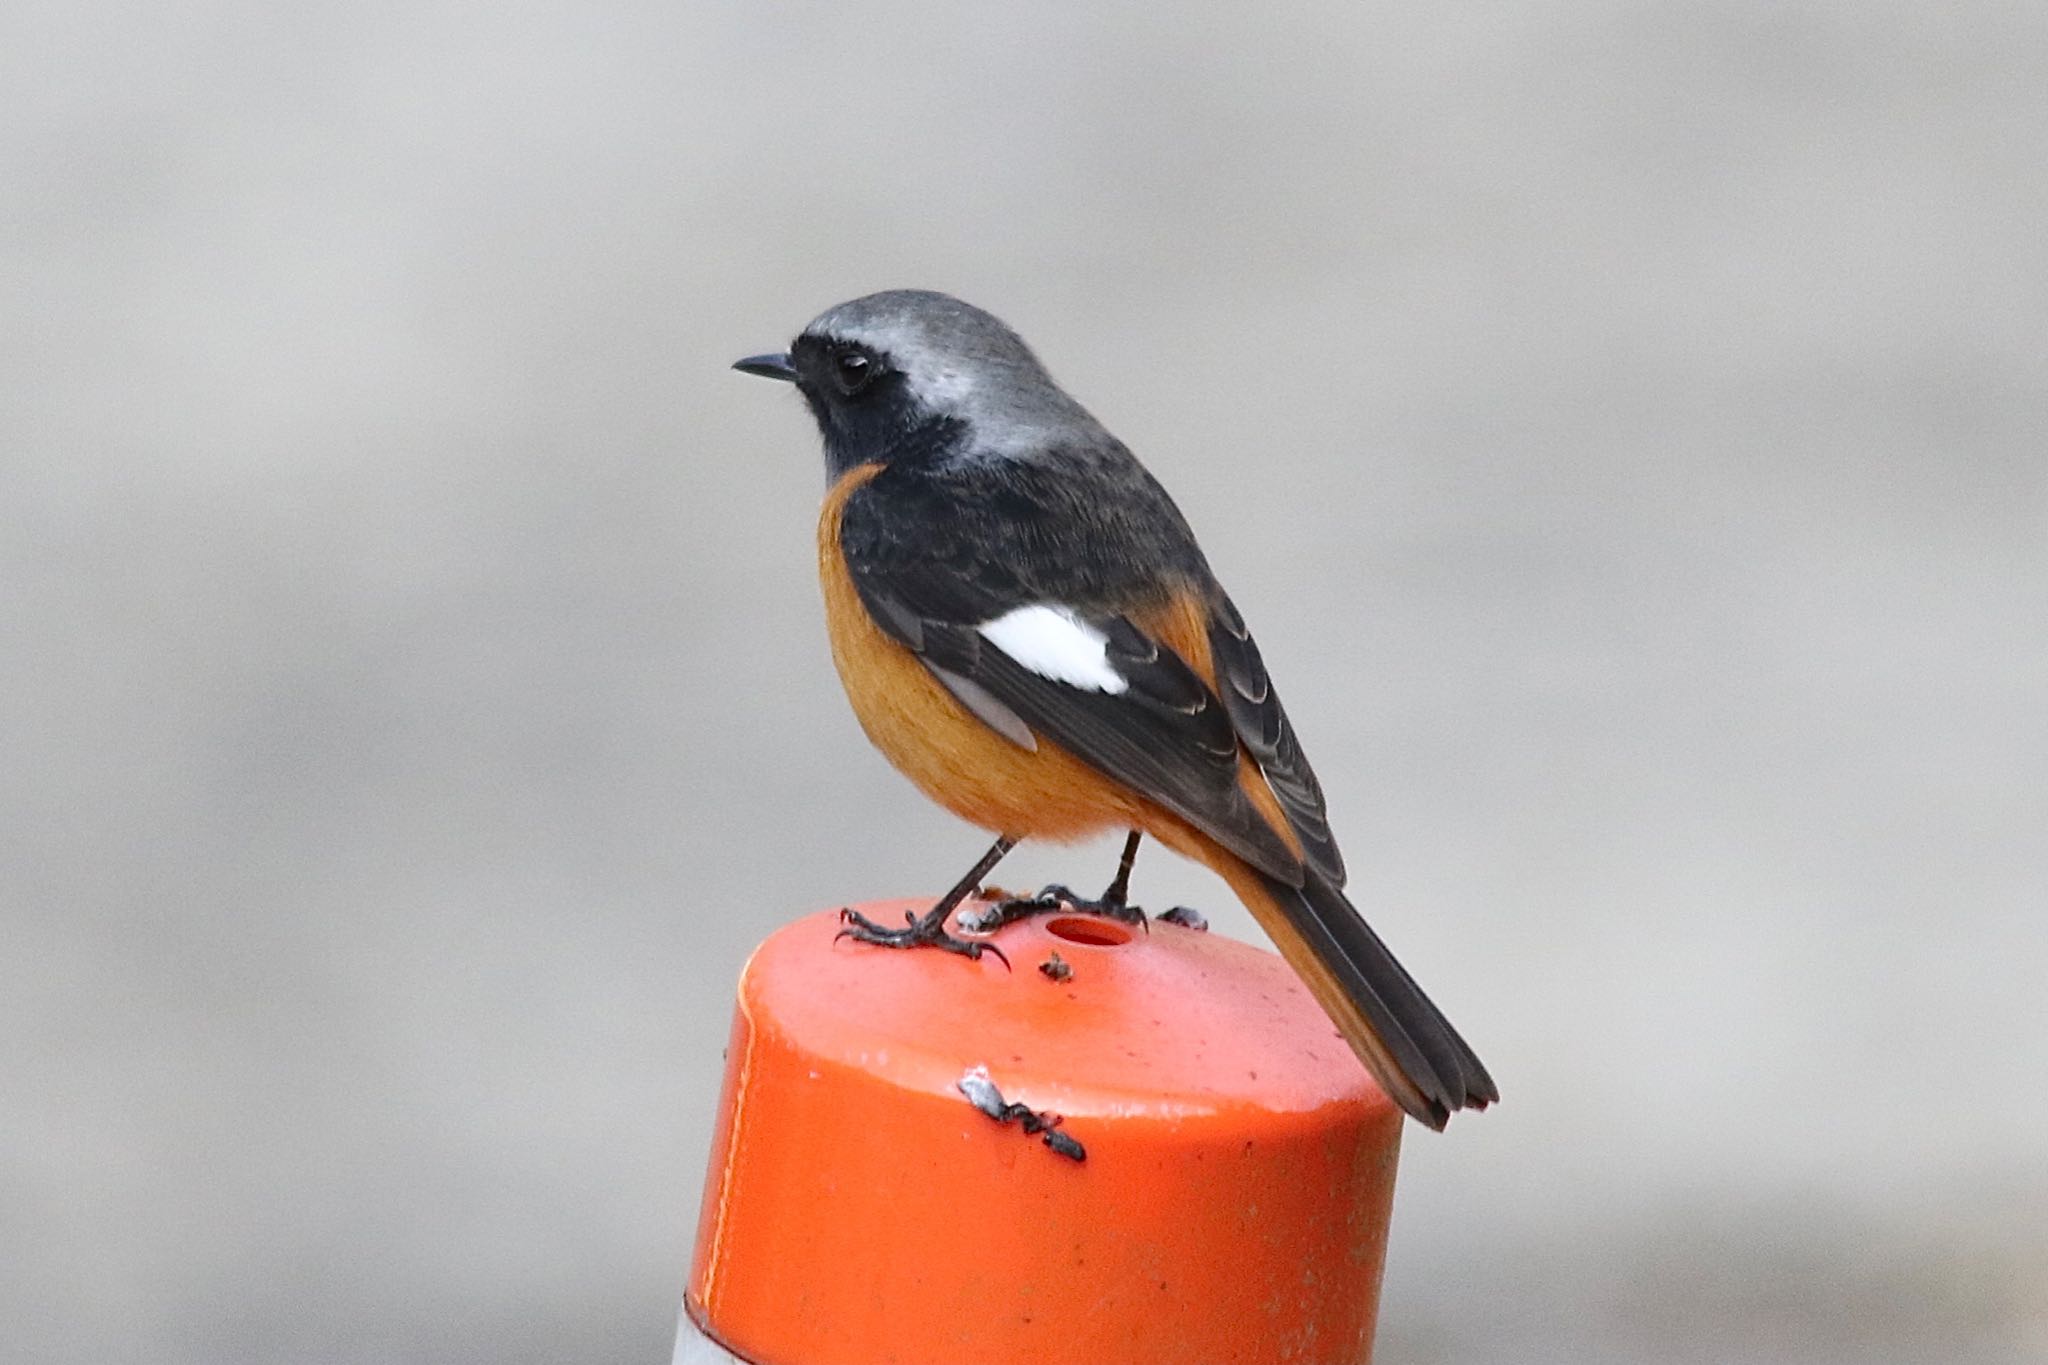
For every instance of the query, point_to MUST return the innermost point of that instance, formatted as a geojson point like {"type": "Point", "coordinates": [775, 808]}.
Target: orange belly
{"type": "Point", "coordinates": [952, 756]}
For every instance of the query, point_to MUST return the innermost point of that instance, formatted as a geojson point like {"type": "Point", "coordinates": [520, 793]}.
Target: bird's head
{"type": "Point", "coordinates": [912, 374]}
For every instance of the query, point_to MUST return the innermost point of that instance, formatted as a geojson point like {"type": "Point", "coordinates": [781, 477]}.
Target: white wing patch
{"type": "Point", "coordinates": [1054, 643]}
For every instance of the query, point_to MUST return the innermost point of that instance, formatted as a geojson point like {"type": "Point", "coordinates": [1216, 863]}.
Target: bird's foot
{"type": "Point", "coordinates": [1054, 898]}
{"type": "Point", "coordinates": [925, 931]}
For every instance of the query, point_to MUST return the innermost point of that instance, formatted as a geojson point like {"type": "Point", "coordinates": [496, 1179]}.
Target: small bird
{"type": "Point", "coordinates": [1028, 630]}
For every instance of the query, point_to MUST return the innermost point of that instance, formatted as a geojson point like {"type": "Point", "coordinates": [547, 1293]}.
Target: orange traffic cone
{"type": "Point", "coordinates": [1131, 1148]}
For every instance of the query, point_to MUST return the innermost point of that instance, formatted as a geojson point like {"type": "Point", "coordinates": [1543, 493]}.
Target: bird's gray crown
{"type": "Point", "coordinates": [960, 362]}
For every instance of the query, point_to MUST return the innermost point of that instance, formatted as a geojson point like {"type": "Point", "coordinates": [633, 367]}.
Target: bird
{"type": "Point", "coordinates": [1027, 629]}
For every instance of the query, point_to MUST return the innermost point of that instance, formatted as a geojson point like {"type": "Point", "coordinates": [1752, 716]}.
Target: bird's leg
{"type": "Point", "coordinates": [929, 930]}
{"type": "Point", "coordinates": [1113, 903]}
{"type": "Point", "coordinates": [1114, 896]}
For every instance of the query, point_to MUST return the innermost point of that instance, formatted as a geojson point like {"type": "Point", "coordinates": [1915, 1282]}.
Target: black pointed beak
{"type": "Point", "coordinates": [772, 366]}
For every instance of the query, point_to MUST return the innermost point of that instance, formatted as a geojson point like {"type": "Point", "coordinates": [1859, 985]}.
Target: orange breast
{"type": "Point", "coordinates": [937, 743]}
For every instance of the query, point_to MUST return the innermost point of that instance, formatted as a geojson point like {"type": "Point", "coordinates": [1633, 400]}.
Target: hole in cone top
{"type": "Point", "coordinates": [1081, 929]}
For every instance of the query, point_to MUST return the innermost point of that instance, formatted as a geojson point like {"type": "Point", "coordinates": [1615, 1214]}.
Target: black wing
{"type": "Point", "coordinates": [1167, 735]}
{"type": "Point", "coordinates": [1268, 736]}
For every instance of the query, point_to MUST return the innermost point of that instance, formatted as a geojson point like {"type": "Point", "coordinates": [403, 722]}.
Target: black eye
{"type": "Point", "coordinates": [853, 370]}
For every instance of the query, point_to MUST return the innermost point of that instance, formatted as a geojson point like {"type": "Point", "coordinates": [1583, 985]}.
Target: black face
{"type": "Point", "coordinates": [841, 374]}
{"type": "Point", "coordinates": [864, 408]}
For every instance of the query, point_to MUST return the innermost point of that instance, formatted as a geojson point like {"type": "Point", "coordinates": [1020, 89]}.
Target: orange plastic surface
{"type": "Point", "coordinates": [1232, 1205]}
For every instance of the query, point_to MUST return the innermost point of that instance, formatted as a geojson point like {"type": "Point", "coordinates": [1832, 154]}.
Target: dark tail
{"type": "Point", "coordinates": [1403, 1038]}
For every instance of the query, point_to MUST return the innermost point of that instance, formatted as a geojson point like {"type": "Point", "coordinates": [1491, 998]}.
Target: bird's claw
{"type": "Point", "coordinates": [928, 931]}
{"type": "Point", "coordinates": [1049, 900]}
{"type": "Point", "coordinates": [1106, 906]}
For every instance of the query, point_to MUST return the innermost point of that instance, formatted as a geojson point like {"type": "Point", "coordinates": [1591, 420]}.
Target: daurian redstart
{"type": "Point", "coordinates": [1027, 629]}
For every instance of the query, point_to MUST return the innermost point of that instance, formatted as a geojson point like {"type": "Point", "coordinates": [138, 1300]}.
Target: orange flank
{"type": "Point", "coordinates": [963, 765]}
{"type": "Point", "coordinates": [1182, 626]}
{"type": "Point", "coordinates": [951, 754]}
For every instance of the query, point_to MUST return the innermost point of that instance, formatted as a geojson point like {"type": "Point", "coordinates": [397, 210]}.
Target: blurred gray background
{"type": "Point", "coordinates": [1623, 424]}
